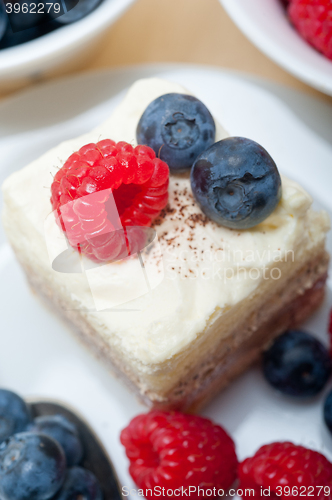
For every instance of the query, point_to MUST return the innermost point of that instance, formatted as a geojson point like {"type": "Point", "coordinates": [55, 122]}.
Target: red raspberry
{"type": "Point", "coordinates": [283, 466]}
{"type": "Point", "coordinates": [172, 450]}
{"type": "Point", "coordinates": [313, 20]}
{"type": "Point", "coordinates": [81, 195]}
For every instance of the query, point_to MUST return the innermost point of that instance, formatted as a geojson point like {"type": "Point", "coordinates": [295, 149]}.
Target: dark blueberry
{"type": "Point", "coordinates": [63, 431]}
{"type": "Point", "coordinates": [178, 128]}
{"type": "Point", "coordinates": [32, 467]}
{"type": "Point", "coordinates": [80, 483]}
{"type": "Point", "coordinates": [11, 39]}
{"type": "Point", "coordinates": [3, 19]}
{"type": "Point", "coordinates": [328, 411]}
{"type": "Point", "coordinates": [297, 364]}
{"type": "Point", "coordinates": [28, 15]}
{"type": "Point", "coordinates": [76, 10]}
{"type": "Point", "coordinates": [14, 414]}
{"type": "Point", "coordinates": [236, 183]}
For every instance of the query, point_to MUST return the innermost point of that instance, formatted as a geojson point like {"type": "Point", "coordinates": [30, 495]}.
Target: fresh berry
{"type": "Point", "coordinates": [80, 484]}
{"type": "Point", "coordinates": [14, 414]}
{"type": "Point", "coordinates": [76, 10]}
{"type": "Point", "coordinates": [85, 189]}
{"type": "Point", "coordinates": [297, 364]}
{"type": "Point", "coordinates": [3, 19]}
{"type": "Point", "coordinates": [288, 470]}
{"type": "Point", "coordinates": [328, 411]}
{"type": "Point", "coordinates": [32, 467]}
{"type": "Point", "coordinates": [26, 16]}
{"type": "Point", "coordinates": [64, 432]}
{"type": "Point", "coordinates": [171, 450]}
{"type": "Point", "coordinates": [313, 20]}
{"type": "Point", "coordinates": [236, 183]}
{"type": "Point", "coordinates": [11, 39]}
{"type": "Point", "coordinates": [178, 128]}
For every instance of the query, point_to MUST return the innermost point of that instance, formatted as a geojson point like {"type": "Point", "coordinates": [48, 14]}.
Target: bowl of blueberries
{"type": "Point", "coordinates": [48, 452]}
{"type": "Point", "coordinates": [41, 38]}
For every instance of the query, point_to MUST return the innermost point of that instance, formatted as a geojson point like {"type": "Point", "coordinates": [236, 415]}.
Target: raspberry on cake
{"type": "Point", "coordinates": [134, 179]}
{"type": "Point", "coordinates": [177, 451]}
{"type": "Point", "coordinates": [225, 294]}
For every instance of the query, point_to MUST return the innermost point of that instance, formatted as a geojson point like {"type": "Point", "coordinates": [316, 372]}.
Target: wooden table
{"type": "Point", "coordinates": [192, 31]}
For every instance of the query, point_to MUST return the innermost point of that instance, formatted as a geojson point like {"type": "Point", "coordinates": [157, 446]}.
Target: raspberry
{"type": "Point", "coordinates": [85, 189]}
{"type": "Point", "coordinates": [172, 450]}
{"type": "Point", "coordinates": [288, 470]}
{"type": "Point", "coordinates": [313, 20]}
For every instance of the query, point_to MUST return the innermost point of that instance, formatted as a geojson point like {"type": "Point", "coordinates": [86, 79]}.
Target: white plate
{"type": "Point", "coordinates": [265, 23]}
{"type": "Point", "coordinates": [38, 355]}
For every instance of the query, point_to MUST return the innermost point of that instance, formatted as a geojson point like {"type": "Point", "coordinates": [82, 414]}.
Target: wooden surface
{"type": "Point", "coordinates": [192, 31]}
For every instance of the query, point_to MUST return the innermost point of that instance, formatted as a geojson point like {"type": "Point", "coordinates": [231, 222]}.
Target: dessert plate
{"type": "Point", "coordinates": [38, 356]}
{"type": "Point", "coordinates": [265, 23]}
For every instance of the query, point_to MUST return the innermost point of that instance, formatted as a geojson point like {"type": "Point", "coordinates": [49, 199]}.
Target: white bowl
{"type": "Point", "coordinates": [59, 51]}
{"type": "Point", "coordinates": [265, 23]}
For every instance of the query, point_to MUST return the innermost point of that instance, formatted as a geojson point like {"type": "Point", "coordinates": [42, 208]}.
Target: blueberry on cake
{"type": "Point", "coordinates": [176, 253]}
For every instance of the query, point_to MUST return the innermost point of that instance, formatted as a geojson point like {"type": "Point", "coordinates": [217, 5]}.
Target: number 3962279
{"type": "Point", "coordinates": [303, 491]}
{"type": "Point", "coordinates": [32, 8]}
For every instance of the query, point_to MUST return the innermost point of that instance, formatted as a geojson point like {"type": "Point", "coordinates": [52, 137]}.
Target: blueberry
{"type": "Point", "coordinates": [14, 414]}
{"type": "Point", "coordinates": [80, 483]}
{"type": "Point", "coordinates": [11, 39]}
{"type": "Point", "coordinates": [32, 15]}
{"type": "Point", "coordinates": [32, 467]}
{"type": "Point", "coordinates": [328, 411]}
{"type": "Point", "coordinates": [178, 128]}
{"type": "Point", "coordinates": [76, 10]}
{"type": "Point", "coordinates": [3, 19]}
{"type": "Point", "coordinates": [62, 430]}
{"type": "Point", "coordinates": [236, 183]}
{"type": "Point", "coordinates": [297, 364]}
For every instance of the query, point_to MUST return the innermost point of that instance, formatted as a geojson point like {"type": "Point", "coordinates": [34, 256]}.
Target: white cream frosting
{"type": "Point", "coordinates": [205, 267]}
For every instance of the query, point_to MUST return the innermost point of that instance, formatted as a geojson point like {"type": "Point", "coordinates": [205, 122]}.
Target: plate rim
{"type": "Point", "coordinates": [126, 69]}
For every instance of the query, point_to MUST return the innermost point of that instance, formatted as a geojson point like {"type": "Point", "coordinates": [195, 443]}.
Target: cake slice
{"type": "Point", "coordinates": [207, 300]}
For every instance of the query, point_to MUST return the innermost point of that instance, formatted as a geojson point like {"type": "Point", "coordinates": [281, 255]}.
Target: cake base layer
{"type": "Point", "coordinates": [240, 358]}
{"type": "Point", "coordinates": [285, 309]}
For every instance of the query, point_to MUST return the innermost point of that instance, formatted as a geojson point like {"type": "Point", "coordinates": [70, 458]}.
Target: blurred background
{"type": "Point", "coordinates": [183, 31]}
